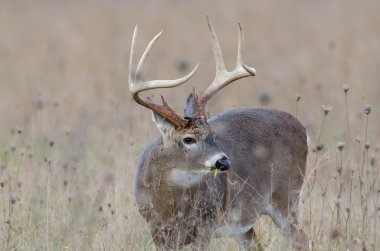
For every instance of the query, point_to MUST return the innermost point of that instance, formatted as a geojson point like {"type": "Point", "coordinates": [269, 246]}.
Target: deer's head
{"type": "Point", "coordinates": [189, 137]}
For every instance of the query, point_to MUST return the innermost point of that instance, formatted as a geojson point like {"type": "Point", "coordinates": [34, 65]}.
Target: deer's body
{"type": "Point", "coordinates": [216, 176]}
{"type": "Point", "coordinates": [267, 149]}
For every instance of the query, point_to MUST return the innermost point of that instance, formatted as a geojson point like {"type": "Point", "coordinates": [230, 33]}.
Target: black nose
{"type": "Point", "coordinates": [223, 164]}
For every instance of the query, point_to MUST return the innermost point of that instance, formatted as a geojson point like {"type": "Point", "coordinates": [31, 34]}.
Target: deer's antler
{"type": "Point", "coordinates": [222, 76]}
{"type": "Point", "coordinates": [136, 86]}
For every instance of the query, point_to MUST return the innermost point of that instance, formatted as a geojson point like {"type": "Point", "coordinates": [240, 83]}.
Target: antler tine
{"type": "Point", "coordinates": [131, 79]}
{"type": "Point", "coordinates": [146, 54]}
{"type": "Point", "coordinates": [239, 61]}
{"type": "Point", "coordinates": [222, 76]}
{"type": "Point", "coordinates": [136, 87]}
{"type": "Point", "coordinates": [219, 62]}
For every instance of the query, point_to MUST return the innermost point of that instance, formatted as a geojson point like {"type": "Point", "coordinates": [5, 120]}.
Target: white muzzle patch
{"type": "Point", "coordinates": [211, 161]}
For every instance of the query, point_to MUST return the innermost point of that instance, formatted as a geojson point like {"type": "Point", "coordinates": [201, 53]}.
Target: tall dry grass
{"type": "Point", "coordinates": [71, 136]}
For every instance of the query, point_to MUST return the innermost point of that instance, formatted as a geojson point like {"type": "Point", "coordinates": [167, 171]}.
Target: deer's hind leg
{"type": "Point", "coordinates": [283, 210]}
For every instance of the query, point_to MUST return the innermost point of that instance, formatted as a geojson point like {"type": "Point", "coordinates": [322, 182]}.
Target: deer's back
{"type": "Point", "coordinates": [243, 127]}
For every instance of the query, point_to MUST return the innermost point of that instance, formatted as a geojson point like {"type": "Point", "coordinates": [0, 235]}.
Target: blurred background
{"type": "Point", "coordinates": [71, 135]}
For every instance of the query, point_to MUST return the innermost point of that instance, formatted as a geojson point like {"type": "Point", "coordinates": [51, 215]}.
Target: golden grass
{"type": "Point", "coordinates": [71, 136]}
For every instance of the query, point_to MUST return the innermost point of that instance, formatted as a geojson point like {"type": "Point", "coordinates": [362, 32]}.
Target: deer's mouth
{"type": "Point", "coordinates": [216, 172]}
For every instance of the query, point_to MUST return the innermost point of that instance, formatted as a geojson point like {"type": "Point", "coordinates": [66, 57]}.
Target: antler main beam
{"type": "Point", "coordinates": [136, 86]}
{"type": "Point", "coordinates": [222, 76]}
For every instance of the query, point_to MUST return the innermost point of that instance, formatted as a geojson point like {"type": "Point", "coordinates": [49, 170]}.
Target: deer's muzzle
{"type": "Point", "coordinates": [223, 164]}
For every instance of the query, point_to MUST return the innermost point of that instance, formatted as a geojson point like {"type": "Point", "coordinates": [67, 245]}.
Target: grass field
{"type": "Point", "coordinates": [70, 134]}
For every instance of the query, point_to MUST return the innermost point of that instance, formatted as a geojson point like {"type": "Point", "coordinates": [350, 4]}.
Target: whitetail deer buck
{"type": "Point", "coordinates": [260, 156]}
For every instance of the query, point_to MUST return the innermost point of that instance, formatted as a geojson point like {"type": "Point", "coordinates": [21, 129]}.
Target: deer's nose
{"type": "Point", "coordinates": [223, 164]}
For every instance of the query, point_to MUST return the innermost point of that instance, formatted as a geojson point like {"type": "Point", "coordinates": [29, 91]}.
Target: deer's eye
{"type": "Point", "coordinates": [189, 140]}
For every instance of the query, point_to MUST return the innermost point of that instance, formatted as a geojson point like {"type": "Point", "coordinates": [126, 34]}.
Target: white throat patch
{"type": "Point", "coordinates": [187, 178]}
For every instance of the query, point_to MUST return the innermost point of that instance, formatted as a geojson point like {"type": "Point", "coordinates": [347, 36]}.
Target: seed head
{"type": "Point", "coordinates": [372, 159]}
{"type": "Point", "coordinates": [320, 147]}
{"type": "Point", "coordinates": [367, 145]}
{"type": "Point", "coordinates": [335, 234]}
{"type": "Point", "coordinates": [346, 88]}
{"type": "Point", "coordinates": [13, 199]}
{"type": "Point", "coordinates": [367, 109]}
{"type": "Point", "coordinates": [298, 98]}
{"type": "Point", "coordinates": [327, 108]}
{"type": "Point", "coordinates": [352, 172]}
{"type": "Point", "coordinates": [338, 202]}
{"type": "Point", "coordinates": [357, 139]}
{"type": "Point", "coordinates": [340, 146]}
{"type": "Point", "coordinates": [339, 170]}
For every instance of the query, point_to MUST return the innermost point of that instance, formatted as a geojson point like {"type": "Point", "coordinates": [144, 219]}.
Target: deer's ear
{"type": "Point", "coordinates": [165, 126]}
{"type": "Point", "coordinates": [190, 106]}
